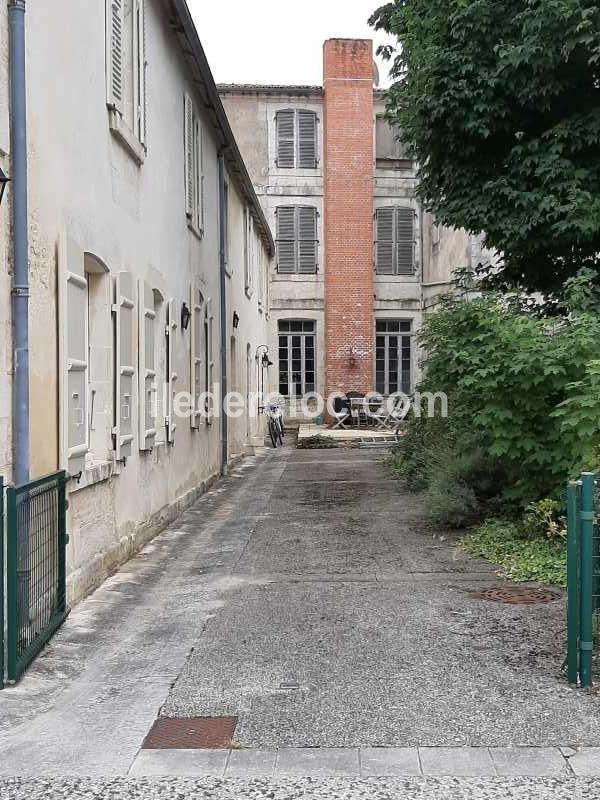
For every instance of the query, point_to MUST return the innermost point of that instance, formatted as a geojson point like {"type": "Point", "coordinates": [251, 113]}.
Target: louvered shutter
{"type": "Point", "coordinates": [114, 54]}
{"type": "Point", "coordinates": [210, 360]}
{"type": "Point", "coordinates": [73, 344]}
{"type": "Point", "coordinates": [405, 241]}
{"type": "Point", "coordinates": [196, 366]}
{"type": "Point", "coordinates": [124, 309]}
{"type": "Point", "coordinates": [307, 239]}
{"type": "Point", "coordinates": [285, 123]}
{"type": "Point", "coordinates": [170, 421]}
{"type": "Point", "coordinates": [189, 155]}
{"type": "Point", "coordinates": [307, 139]}
{"type": "Point", "coordinates": [286, 239]}
{"type": "Point", "coordinates": [146, 367]}
{"type": "Point", "coordinates": [384, 243]}
{"type": "Point", "coordinates": [141, 105]}
{"type": "Point", "coordinates": [201, 178]}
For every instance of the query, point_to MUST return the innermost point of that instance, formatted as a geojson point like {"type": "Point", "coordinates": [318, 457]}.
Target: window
{"type": "Point", "coordinates": [296, 139]}
{"type": "Point", "coordinates": [436, 231]}
{"type": "Point", "coordinates": [395, 241]}
{"type": "Point", "coordinates": [198, 379]}
{"type": "Point", "coordinates": [249, 252]}
{"type": "Point", "coordinates": [297, 243]}
{"type": "Point", "coordinates": [126, 72]}
{"type": "Point", "coordinates": [194, 167]}
{"type": "Point", "coordinates": [296, 357]}
{"type": "Point", "coordinates": [393, 350]}
{"type": "Point", "coordinates": [389, 149]}
{"type": "Point", "coordinates": [99, 337]}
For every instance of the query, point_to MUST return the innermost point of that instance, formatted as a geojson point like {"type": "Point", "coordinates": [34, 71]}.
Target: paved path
{"type": "Point", "coordinates": [305, 596]}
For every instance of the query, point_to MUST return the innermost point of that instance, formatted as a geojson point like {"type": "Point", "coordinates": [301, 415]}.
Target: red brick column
{"type": "Point", "coordinates": [348, 165]}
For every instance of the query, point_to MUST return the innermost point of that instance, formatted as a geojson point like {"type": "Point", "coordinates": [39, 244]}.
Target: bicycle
{"type": "Point", "coordinates": [275, 423]}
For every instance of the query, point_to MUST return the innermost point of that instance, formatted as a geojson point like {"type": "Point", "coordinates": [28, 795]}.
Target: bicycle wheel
{"type": "Point", "coordinates": [273, 432]}
{"type": "Point", "coordinates": [280, 431]}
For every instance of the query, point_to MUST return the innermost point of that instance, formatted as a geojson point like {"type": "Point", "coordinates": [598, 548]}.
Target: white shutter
{"type": "Point", "coordinates": [200, 157]}
{"type": "Point", "coordinates": [196, 366]}
{"type": "Point", "coordinates": [114, 54]}
{"type": "Point", "coordinates": [73, 356]}
{"type": "Point", "coordinates": [189, 155]}
{"type": "Point", "coordinates": [285, 124]}
{"type": "Point", "coordinates": [384, 242]}
{"type": "Point", "coordinates": [307, 139]}
{"type": "Point", "coordinates": [140, 77]}
{"type": "Point", "coordinates": [124, 309]}
{"type": "Point", "coordinates": [307, 239]}
{"type": "Point", "coordinates": [146, 366]}
{"type": "Point", "coordinates": [210, 359]}
{"type": "Point", "coordinates": [170, 421]}
{"type": "Point", "coordinates": [405, 241]}
{"type": "Point", "coordinates": [286, 239]}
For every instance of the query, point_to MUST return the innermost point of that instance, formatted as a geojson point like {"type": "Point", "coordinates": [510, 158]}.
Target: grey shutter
{"type": "Point", "coordinates": [286, 239]}
{"type": "Point", "coordinates": [201, 144]}
{"type": "Point", "coordinates": [211, 361]}
{"type": "Point", "coordinates": [307, 239]}
{"type": "Point", "coordinates": [196, 365]}
{"type": "Point", "coordinates": [146, 367]}
{"type": "Point", "coordinates": [307, 139]}
{"type": "Point", "coordinates": [141, 105]}
{"type": "Point", "coordinates": [405, 241]}
{"type": "Point", "coordinates": [170, 421]}
{"type": "Point", "coordinates": [114, 54]}
{"type": "Point", "coordinates": [384, 241]}
{"type": "Point", "coordinates": [285, 123]}
{"type": "Point", "coordinates": [189, 155]}
{"type": "Point", "coordinates": [125, 371]}
{"type": "Point", "coordinates": [73, 344]}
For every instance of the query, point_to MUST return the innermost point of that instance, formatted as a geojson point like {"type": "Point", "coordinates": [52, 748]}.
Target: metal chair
{"type": "Point", "coordinates": [341, 412]}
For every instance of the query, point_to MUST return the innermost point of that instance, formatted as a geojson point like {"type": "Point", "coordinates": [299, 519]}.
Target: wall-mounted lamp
{"type": "Point", "coordinates": [236, 319]}
{"type": "Point", "coordinates": [266, 361]}
{"type": "Point", "coordinates": [186, 316]}
{"type": "Point", "coordinates": [4, 180]}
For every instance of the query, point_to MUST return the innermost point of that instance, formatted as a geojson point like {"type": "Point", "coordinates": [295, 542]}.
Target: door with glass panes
{"type": "Point", "coordinates": [296, 357]}
{"type": "Point", "coordinates": [393, 356]}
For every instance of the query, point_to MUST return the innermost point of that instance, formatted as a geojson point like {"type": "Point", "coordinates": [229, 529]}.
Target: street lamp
{"type": "Point", "coordinates": [4, 179]}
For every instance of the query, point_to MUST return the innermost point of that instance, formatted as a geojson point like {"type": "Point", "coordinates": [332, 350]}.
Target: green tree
{"type": "Point", "coordinates": [500, 102]}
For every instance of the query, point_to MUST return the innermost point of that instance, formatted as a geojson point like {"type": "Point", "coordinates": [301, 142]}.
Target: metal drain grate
{"type": "Point", "coordinates": [192, 733]}
{"type": "Point", "coordinates": [517, 595]}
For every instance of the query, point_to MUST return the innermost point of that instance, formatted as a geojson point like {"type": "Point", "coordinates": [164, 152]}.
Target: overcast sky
{"type": "Point", "coordinates": [262, 42]}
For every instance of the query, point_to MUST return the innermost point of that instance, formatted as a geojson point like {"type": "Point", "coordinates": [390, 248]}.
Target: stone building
{"type": "Point", "coordinates": [133, 173]}
{"type": "Point", "coordinates": [358, 260]}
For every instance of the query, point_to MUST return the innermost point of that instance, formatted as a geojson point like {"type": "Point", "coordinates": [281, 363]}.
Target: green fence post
{"type": "Point", "coordinates": [12, 610]}
{"type": "Point", "coordinates": [586, 631]}
{"type": "Point", "coordinates": [1, 583]}
{"type": "Point", "coordinates": [573, 582]}
{"type": "Point", "coordinates": [62, 542]}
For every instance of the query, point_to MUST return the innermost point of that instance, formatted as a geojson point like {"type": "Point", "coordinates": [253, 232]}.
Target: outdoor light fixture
{"type": "Point", "coordinates": [4, 179]}
{"type": "Point", "coordinates": [236, 319]}
{"type": "Point", "coordinates": [266, 361]}
{"type": "Point", "coordinates": [186, 316]}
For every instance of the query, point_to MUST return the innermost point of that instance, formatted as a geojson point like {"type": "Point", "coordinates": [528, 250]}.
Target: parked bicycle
{"type": "Point", "coordinates": [275, 423]}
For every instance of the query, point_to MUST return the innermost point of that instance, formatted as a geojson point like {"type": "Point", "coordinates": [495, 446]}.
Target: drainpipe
{"type": "Point", "coordinates": [223, 311]}
{"type": "Point", "coordinates": [20, 291]}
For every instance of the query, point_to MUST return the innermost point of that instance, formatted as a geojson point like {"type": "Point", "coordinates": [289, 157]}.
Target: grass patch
{"type": "Point", "coordinates": [520, 559]}
{"type": "Point", "coordinates": [317, 442]}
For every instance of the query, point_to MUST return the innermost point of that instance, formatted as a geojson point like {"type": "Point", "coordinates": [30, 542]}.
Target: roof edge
{"type": "Point", "coordinates": [295, 90]}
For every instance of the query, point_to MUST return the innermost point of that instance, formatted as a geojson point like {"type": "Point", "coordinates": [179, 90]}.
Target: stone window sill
{"type": "Point", "coordinates": [126, 137]}
{"type": "Point", "coordinates": [95, 473]}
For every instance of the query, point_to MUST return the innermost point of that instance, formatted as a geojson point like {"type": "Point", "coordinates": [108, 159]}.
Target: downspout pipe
{"type": "Point", "coordinates": [20, 290]}
{"type": "Point", "coordinates": [223, 312]}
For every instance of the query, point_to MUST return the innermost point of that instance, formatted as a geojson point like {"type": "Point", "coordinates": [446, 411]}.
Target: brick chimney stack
{"type": "Point", "coordinates": [348, 165]}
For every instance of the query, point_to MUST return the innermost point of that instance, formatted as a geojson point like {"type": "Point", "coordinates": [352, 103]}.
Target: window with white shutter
{"type": "Point", "coordinates": [395, 241]}
{"type": "Point", "coordinates": [147, 373]}
{"type": "Point", "coordinates": [125, 320]}
{"type": "Point", "coordinates": [209, 359]}
{"type": "Point", "coordinates": [297, 242]}
{"type": "Point", "coordinates": [197, 371]}
{"type": "Point", "coordinates": [296, 132]}
{"type": "Point", "coordinates": [194, 166]}
{"type": "Point", "coordinates": [170, 331]}
{"type": "Point", "coordinates": [115, 57]}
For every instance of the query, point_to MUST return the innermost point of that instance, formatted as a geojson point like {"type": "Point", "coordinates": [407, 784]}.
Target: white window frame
{"type": "Point", "coordinates": [303, 334]}
{"type": "Point", "coordinates": [402, 336]}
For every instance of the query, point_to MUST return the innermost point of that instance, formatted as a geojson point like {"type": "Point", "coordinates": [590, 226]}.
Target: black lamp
{"type": "Point", "coordinates": [4, 179]}
{"type": "Point", "coordinates": [266, 361]}
{"type": "Point", "coordinates": [186, 316]}
{"type": "Point", "coordinates": [236, 319]}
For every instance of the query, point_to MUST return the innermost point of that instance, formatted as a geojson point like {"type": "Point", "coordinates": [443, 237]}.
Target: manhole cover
{"type": "Point", "coordinates": [192, 733]}
{"type": "Point", "coordinates": [517, 595]}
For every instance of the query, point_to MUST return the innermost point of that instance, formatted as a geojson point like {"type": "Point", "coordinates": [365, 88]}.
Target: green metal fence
{"type": "Point", "coordinates": [583, 579]}
{"type": "Point", "coordinates": [36, 540]}
{"type": "Point", "coordinates": [1, 582]}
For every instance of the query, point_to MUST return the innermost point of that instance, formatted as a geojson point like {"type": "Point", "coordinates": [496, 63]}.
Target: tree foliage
{"type": "Point", "coordinates": [499, 101]}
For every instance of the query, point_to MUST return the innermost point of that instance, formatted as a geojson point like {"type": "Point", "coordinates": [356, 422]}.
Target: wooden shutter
{"type": "Point", "coordinates": [171, 329]}
{"type": "Point", "coordinates": [114, 54]}
{"type": "Point", "coordinates": [146, 367]}
{"type": "Point", "coordinates": [189, 155]}
{"type": "Point", "coordinates": [286, 239]}
{"type": "Point", "coordinates": [307, 239]}
{"type": "Point", "coordinates": [196, 365]}
{"type": "Point", "coordinates": [140, 64]}
{"type": "Point", "coordinates": [307, 139]}
{"type": "Point", "coordinates": [210, 360]}
{"type": "Point", "coordinates": [285, 123]}
{"type": "Point", "coordinates": [405, 241]}
{"type": "Point", "coordinates": [384, 241]}
{"type": "Point", "coordinates": [73, 344]}
{"type": "Point", "coordinates": [124, 309]}
{"type": "Point", "coordinates": [200, 157]}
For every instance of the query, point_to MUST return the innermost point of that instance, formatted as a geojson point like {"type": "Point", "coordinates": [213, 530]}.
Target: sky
{"type": "Point", "coordinates": [265, 42]}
